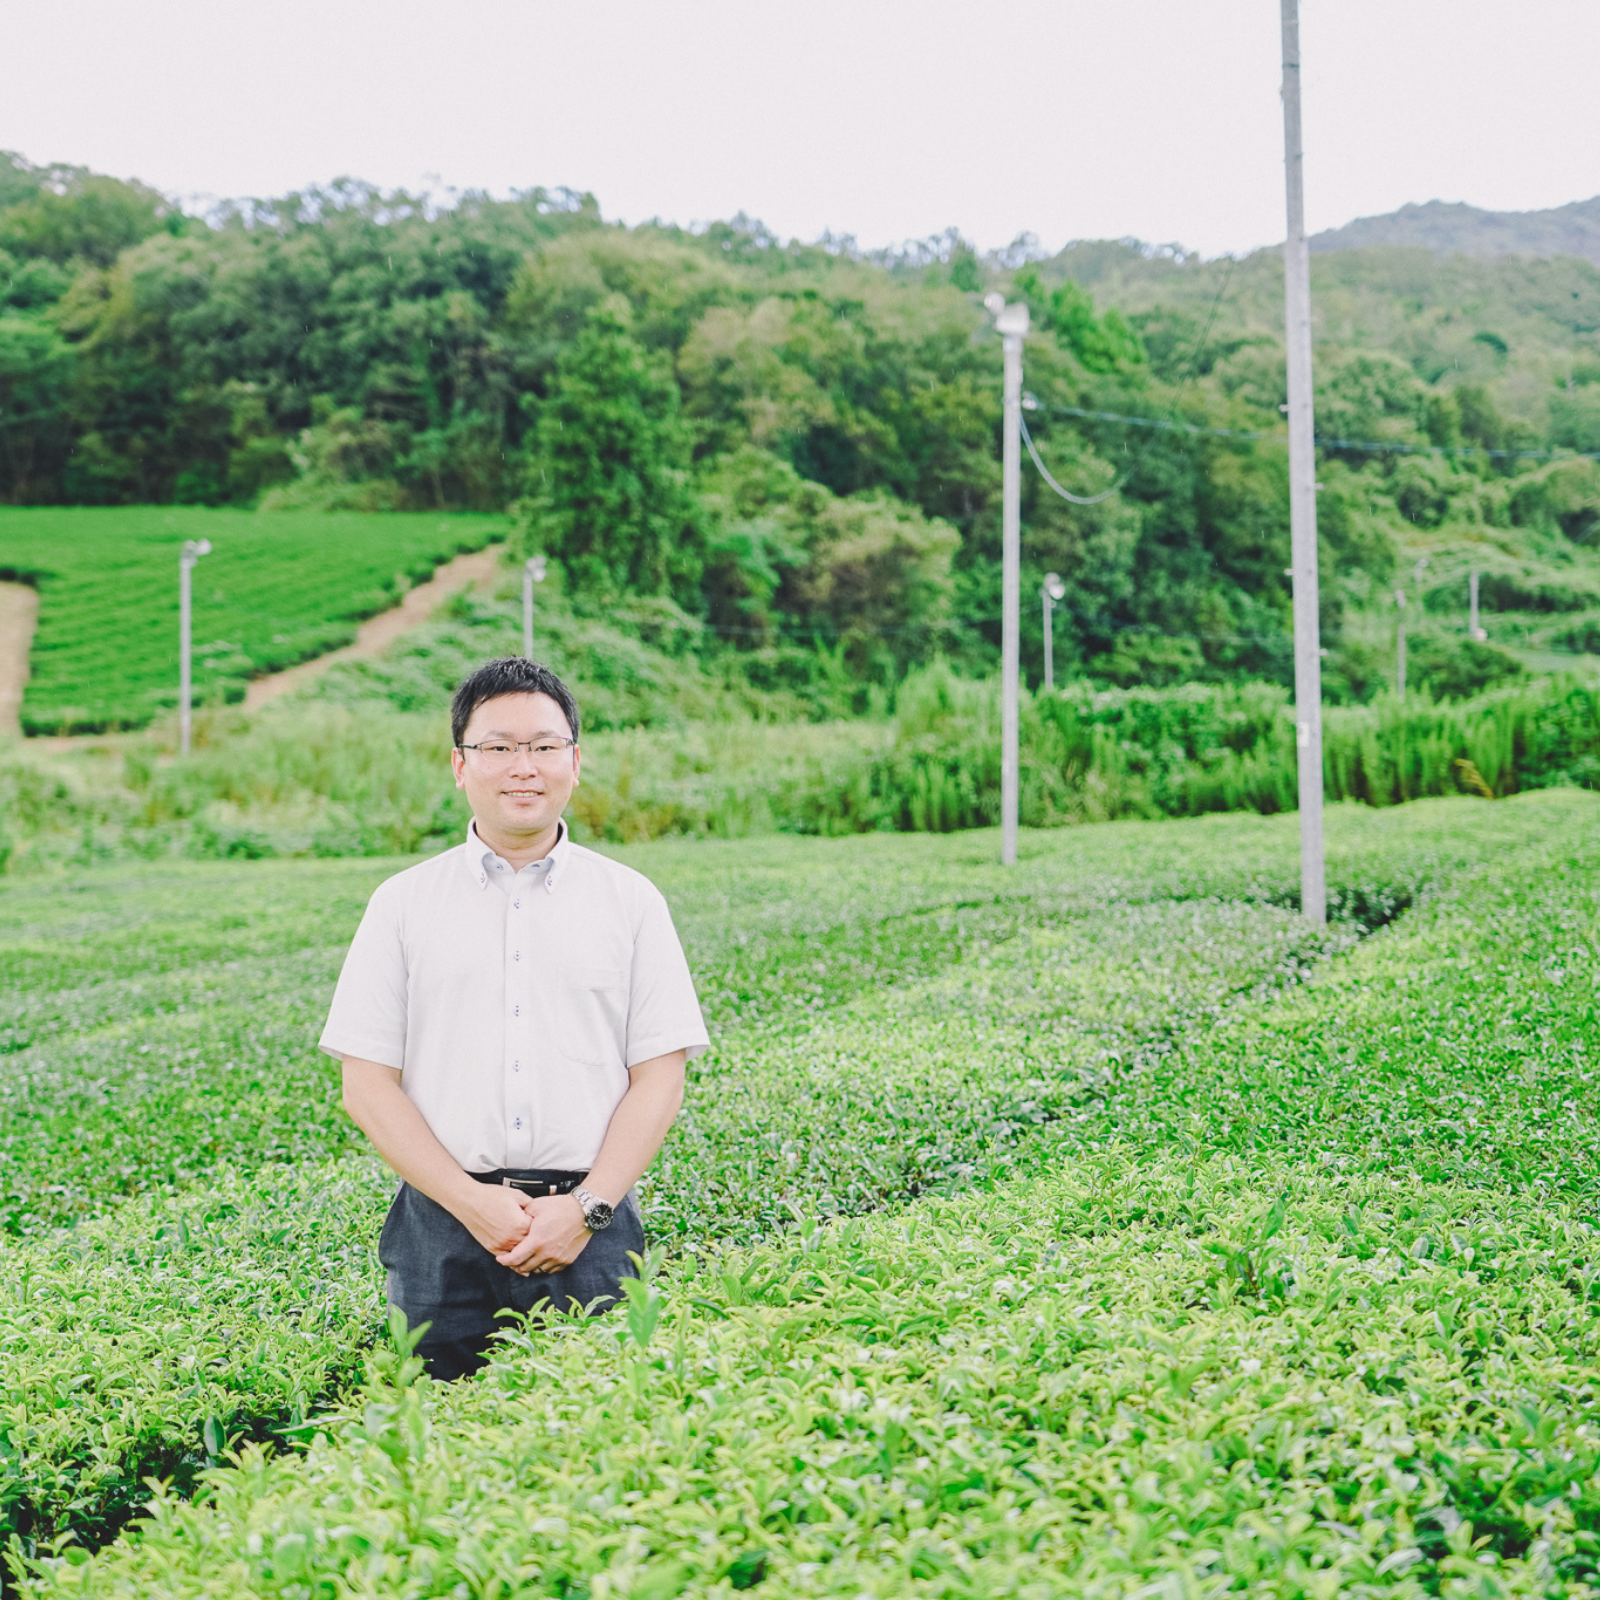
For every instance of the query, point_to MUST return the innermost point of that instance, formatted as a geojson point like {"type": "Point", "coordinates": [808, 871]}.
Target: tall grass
{"type": "Point", "coordinates": [366, 779]}
{"type": "Point", "coordinates": [1088, 756]}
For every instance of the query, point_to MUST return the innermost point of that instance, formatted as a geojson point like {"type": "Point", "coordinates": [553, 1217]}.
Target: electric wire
{"type": "Point", "coordinates": [799, 634]}
{"type": "Point", "coordinates": [1066, 494]}
{"type": "Point", "coordinates": [1030, 402]}
{"type": "Point", "coordinates": [1375, 446]}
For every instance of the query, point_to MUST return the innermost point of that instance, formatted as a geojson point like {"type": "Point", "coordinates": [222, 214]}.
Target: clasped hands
{"type": "Point", "coordinates": [529, 1233]}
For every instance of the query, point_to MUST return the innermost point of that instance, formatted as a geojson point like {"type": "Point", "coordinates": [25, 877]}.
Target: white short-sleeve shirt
{"type": "Point", "coordinates": [513, 1004]}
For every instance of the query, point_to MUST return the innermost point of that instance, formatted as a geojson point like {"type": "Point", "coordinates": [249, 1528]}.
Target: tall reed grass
{"type": "Point", "coordinates": [1092, 756]}
{"type": "Point", "coordinates": [366, 779]}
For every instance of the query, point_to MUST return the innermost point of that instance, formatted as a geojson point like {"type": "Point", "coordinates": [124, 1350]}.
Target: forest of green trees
{"type": "Point", "coordinates": [790, 452]}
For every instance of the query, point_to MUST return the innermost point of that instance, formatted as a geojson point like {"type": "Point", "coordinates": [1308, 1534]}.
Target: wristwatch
{"type": "Point", "coordinates": [597, 1213]}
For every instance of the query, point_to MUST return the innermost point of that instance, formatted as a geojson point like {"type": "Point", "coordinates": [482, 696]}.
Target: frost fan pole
{"type": "Point", "coordinates": [1012, 324]}
{"type": "Point", "coordinates": [1302, 486]}
{"type": "Point", "coordinates": [533, 571]}
{"type": "Point", "coordinates": [192, 550]}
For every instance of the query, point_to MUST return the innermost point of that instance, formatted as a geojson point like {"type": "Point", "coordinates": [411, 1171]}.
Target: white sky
{"type": "Point", "coordinates": [886, 119]}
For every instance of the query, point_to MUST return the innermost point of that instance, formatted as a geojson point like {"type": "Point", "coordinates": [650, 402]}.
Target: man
{"type": "Point", "coordinates": [513, 1020]}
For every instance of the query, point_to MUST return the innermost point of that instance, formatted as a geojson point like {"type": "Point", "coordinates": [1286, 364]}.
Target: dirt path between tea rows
{"type": "Point", "coordinates": [19, 613]}
{"type": "Point", "coordinates": [377, 633]}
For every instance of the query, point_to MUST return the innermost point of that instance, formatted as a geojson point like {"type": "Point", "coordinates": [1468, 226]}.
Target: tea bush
{"type": "Point", "coordinates": [1177, 1131]}
{"type": "Point", "coordinates": [142, 1342]}
{"type": "Point", "coordinates": [158, 1022]}
{"type": "Point", "coordinates": [1132, 1376]}
{"type": "Point", "coordinates": [275, 590]}
{"type": "Point", "coordinates": [160, 1089]}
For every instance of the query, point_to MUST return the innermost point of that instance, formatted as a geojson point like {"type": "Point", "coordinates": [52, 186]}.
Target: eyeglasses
{"type": "Point", "coordinates": [545, 751]}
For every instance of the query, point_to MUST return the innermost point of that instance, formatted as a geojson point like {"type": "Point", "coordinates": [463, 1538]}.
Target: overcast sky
{"type": "Point", "coordinates": [885, 119]}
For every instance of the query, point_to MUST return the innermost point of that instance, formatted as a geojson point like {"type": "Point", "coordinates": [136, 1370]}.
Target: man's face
{"type": "Point", "coordinates": [525, 794]}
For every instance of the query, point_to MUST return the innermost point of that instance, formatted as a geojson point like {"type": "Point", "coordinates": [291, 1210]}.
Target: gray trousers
{"type": "Point", "coordinates": [441, 1275]}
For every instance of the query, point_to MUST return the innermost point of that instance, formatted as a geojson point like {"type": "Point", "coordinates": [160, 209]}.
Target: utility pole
{"type": "Point", "coordinates": [192, 550]}
{"type": "Point", "coordinates": [1473, 630]}
{"type": "Point", "coordinates": [533, 571]}
{"type": "Point", "coordinates": [1400, 646]}
{"type": "Point", "coordinates": [1011, 322]}
{"type": "Point", "coordinates": [1302, 486]}
{"type": "Point", "coordinates": [1052, 591]}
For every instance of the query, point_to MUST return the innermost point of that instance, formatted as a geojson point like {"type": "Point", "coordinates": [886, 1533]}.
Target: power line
{"type": "Point", "coordinates": [796, 633]}
{"type": "Point", "coordinates": [1377, 446]}
{"type": "Point", "coordinates": [1385, 447]}
{"type": "Point", "coordinates": [1154, 422]}
{"type": "Point", "coordinates": [1029, 402]}
{"type": "Point", "coordinates": [1067, 494]}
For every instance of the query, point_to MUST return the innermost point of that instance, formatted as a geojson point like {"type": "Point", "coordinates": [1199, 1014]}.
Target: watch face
{"type": "Point", "coordinates": [597, 1216]}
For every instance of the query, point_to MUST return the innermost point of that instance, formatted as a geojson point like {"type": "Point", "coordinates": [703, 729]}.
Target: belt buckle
{"type": "Point", "coordinates": [530, 1185]}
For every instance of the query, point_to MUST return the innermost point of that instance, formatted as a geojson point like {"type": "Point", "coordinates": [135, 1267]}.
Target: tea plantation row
{"type": "Point", "coordinates": [275, 590]}
{"type": "Point", "coordinates": [160, 1020]}
{"type": "Point", "coordinates": [172, 1059]}
{"type": "Point", "coordinates": [1131, 1377]}
{"type": "Point", "coordinates": [895, 1016]}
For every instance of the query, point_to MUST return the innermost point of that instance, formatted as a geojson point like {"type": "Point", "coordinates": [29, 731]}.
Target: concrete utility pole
{"type": "Point", "coordinates": [1052, 591]}
{"type": "Point", "coordinates": [1302, 486]}
{"type": "Point", "coordinates": [192, 550]}
{"type": "Point", "coordinates": [1012, 324]}
{"type": "Point", "coordinates": [533, 571]}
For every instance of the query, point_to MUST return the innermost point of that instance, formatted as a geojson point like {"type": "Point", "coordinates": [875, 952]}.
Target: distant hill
{"type": "Point", "coordinates": [1443, 226]}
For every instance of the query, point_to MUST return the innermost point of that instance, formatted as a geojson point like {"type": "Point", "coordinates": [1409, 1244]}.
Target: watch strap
{"type": "Point", "coordinates": [591, 1204]}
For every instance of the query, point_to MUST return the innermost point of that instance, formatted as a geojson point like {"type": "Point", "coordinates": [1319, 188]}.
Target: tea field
{"type": "Point", "coordinates": [1094, 1228]}
{"type": "Point", "coordinates": [276, 589]}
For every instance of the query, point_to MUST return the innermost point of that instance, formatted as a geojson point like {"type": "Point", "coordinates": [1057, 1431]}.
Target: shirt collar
{"type": "Point", "coordinates": [479, 856]}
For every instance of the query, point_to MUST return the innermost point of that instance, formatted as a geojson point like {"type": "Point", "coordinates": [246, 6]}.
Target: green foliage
{"type": "Point", "coordinates": [1089, 1227]}
{"type": "Point", "coordinates": [1099, 344]}
{"type": "Point", "coordinates": [188, 999]}
{"type": "Point", "coordinates": [361, 769]}
{"type": "Point", "coordinates": [1457, 669]}
{"type": "Point", "coordinates": [915, 1399]}
{"type": "Point", "coordinates": [612, 500]}
{"type": "Point", "coordinates": [622, 680]}
{"type": "Point", "coordinates": [343, 462]}
{"type": "Point", "coordinates": [1575, 418]}
{"type": "Point", "coordinates": [1093, 756]}
{"type": "Point", "coordinates": [150, 1342]}
{"type": "Point", "coordinates": [31, 286]}
{"type": "Point", "coordinates": [866, 577]}
{"type": "Point", "coordinates": [341, 298]}
{"type": "Point", "coordinates": [275, 590]}
{"type": "Point", "coordinates": [1564, 497]}
{"type": "Point", "coordinates": [797, 447]}
{"type": "Point", "coordinates": [36, 367]}
{"type": "Point", "coordinates": [19, 178]}
{"type": "Point", "coordinates": [88, 219]}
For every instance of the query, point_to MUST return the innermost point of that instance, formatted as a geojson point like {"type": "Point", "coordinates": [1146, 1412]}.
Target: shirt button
{"type": "Point", "coordinates": [516, 955]}
{"type": "Point", "coordinates": [517, 904]}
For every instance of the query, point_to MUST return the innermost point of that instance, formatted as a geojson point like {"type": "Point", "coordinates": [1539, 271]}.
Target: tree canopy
{"type": "Point", "coordinates": [794, 448]}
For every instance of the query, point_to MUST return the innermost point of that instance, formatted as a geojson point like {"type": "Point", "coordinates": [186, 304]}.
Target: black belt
{"type": "Point", "coordinates": [535, 1180]}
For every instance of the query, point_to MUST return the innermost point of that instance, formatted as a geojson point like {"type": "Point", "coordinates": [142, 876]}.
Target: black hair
{"type": "Point", "coordinates": [508, 675]}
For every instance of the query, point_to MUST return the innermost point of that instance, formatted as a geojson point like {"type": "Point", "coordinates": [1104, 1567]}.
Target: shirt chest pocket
{"type": "Point", "coordinates": [592, 1015]}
